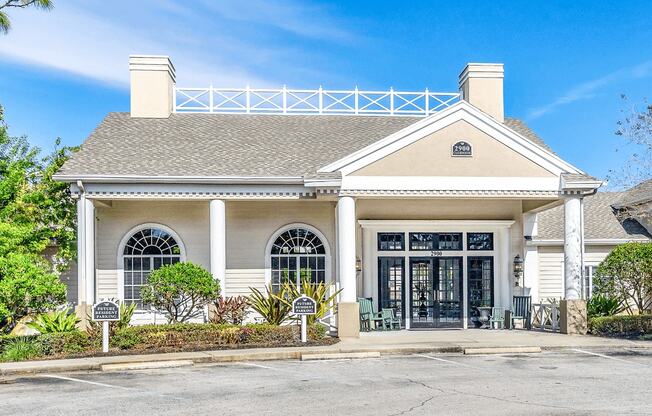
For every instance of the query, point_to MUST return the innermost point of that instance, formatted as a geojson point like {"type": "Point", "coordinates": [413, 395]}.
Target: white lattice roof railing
{"type": "Point", "coordinates": [320, 101]}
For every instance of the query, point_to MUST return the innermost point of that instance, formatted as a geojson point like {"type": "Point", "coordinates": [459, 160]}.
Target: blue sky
{"type": "Point", "coordinates": [566, 63]}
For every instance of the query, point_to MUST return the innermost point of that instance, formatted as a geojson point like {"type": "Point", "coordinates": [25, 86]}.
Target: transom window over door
{"type": "Point", "coordinates": [297, 253]}
{"type": "Point", "coordinates": [145, 251]}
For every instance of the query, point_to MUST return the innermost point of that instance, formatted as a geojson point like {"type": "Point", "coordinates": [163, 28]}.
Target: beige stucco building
{"type": "Point", "coordinates": [420, 201]}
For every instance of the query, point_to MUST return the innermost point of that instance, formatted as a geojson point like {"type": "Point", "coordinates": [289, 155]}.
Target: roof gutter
{"type": "Point", "coordinates": [591, 241]}
{"type": "Point", "coordinates": [181, 179]}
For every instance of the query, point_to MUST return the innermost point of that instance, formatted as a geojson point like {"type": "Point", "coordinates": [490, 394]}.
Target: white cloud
{"type": "Point", "coordinates": [588, 90]}
{"type": "Point", "coordinates": [299, 18]}
{"type": "Point", "coordinates": [93, 39]}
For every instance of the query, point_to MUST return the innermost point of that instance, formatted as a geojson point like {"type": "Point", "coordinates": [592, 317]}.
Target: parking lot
{"type": "Point", "coordinates": [573, 381]}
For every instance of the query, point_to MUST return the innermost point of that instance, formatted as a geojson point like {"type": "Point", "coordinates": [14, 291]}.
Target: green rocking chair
{"type": "Point", "coordinates": [368, 318]}
{"type": "Point", "coordinates": [390, 320]}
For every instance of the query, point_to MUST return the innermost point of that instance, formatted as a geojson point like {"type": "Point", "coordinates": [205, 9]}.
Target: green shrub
{"type": "Point", "coordinates": [201, 336]}
{"type": "Point", "coordinates": [180, 290]}
{"type": "Point", "coordinates": [125, 340]}
{"type": "Point", "coordinates": [53, 322]}
{"type": "Point", "coordinates": [271, 306]}
{"type": "Point", "coordinates": [21, 348]}
{"type": "Point", "coordinates": [621, 325]}
{"type": "Point", "coordinates": [626, 273]}
{"type": "Point", "coordinates": [26, 287]}
{"type": "Point", "coordinates": [74, 342]}
{"type": "Point", "coordinates": [603, 305]}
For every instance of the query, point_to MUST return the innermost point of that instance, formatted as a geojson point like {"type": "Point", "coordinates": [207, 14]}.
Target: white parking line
{"type": "Point", "coordinates": [443, 360]}
{"type": "Point", "coordinates": [259, 366]}
{"type": "Point", "coordinates": [609, 357]}
{"type": "Point", "coordinates": [86, 382]}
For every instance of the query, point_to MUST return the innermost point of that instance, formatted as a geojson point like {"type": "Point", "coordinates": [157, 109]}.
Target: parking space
{"type": "Point", "coordinates": [572, 381]}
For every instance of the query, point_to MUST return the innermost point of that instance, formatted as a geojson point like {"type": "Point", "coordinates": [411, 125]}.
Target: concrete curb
{"type": "Point", "coordinates": [287, 353]}
{"type": "Point", "coordinates": [502, 350]}
{"type": "Point", "coordinates": [339, 355]}
{"type": "Point", "coordinates": [148, 365]}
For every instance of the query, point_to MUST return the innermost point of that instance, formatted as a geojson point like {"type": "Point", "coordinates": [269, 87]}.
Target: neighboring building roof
{"type": "Point", "coordinates": [636, 195]}
{"type": "Point", "coordinates": [233, 145]}
{"type": "Point", "coordinates": [600, 221]}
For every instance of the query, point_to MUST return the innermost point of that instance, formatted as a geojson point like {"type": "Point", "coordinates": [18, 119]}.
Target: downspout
{"type": "Point", "coordinates": [583, 250]}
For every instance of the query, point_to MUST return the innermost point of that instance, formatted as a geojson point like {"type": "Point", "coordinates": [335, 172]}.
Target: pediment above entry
{"type": "Point", "coordinates": [459, 142]}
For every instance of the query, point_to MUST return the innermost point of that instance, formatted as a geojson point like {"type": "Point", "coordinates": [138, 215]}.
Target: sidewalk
{"type": "Point", "coordinates": [397, 342]}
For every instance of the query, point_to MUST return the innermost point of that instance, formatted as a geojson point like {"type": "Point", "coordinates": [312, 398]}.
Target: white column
{"type": "Point", "coordinates": [85, 250]}
{"type": "Point", "coordinates": [217, 220]}
{"type": "Point", "coordinates": [573, 236]}
{"type": "Point", "coordinates": [531, 271]}
{"type": "Point", "coordinates": [506, 278]}
{"type": "Point", "coordinates": [531, 256]}
{"type": "Point", "coordinates": [367, 265]}
{"type": "Point", "coordinates": [346, 248]}
{"type": "Point", "coordinates": [81, 247]}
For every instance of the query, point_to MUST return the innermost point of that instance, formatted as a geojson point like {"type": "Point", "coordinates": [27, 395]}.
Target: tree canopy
{"type": "Point", "coordinates": [36, 213]}
{"type": "Point", "coordinates": [635, 127]}
{"type": "Point", "coordinates": [626, 274]}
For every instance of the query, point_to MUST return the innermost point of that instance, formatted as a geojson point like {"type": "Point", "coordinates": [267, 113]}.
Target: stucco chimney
{"type": "Point", "coordinates": [482, 86]}
{"type": "Point", "coordinates": [152, 86]}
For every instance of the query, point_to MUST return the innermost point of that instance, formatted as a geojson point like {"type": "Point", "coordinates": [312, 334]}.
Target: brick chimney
{"type": "Point", "coordinates": [152, 86]}
{"type": "Point", "coordinates": [481, 85]}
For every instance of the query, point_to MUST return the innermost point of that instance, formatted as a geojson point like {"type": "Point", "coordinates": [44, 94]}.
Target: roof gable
{"type": "Point", "coordinates": [432, 156]}
{"type": "Point", "coordinates": [460, 111]}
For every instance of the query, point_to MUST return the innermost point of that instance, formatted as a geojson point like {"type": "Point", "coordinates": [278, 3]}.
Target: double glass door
{"type": "Point", "coordinates": [436, 292]}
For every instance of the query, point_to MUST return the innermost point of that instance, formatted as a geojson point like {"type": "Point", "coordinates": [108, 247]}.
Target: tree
{"type": "Point", "coordinates": [42, 210]}
{"type": "Point", "coordinates": [636, 128]}
{"type": "Point", "coordinates": [5, 24]}
{"type": "Point", "coordinates": [35, 213]}
{"type": "Point", "coordinates": [626, 273]}
{"type": "Point", "coordinates": [181, 290]}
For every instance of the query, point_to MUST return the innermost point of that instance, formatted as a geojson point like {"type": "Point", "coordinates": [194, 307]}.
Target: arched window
{"type": "Point", "coordinates": [146, 250]}
{"type": "Point", "coordinates": [297, 253]}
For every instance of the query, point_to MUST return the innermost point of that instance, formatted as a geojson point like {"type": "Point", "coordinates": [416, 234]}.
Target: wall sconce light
{"type": "Point", "coordinates": [358, 264]}
{"type": "Point", "coordinates": [518, 269]}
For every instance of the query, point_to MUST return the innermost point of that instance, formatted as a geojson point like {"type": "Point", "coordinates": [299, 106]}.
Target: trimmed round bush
{"type": "Point", "coordinates": [180, 290]}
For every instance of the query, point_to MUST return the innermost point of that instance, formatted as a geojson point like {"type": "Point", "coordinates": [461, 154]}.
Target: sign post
{"type": "Point", "coordinates": [304, 306]}
{"type": "Point", "coordinates": [105, 312]}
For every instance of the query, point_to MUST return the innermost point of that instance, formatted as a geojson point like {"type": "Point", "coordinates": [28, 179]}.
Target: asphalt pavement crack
{"type": "Point", "coordinates": [423, 402]}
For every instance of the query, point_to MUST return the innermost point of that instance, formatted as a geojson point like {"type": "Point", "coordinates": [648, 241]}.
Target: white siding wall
{"type": "Point", "coordinates": [249, 225]}
{"type": "Point", "coordinates": [551, 260]}
{"type": "Point", "coordinates": [551, 280]}
{"type": "Point", "coordinates": [188, 219]}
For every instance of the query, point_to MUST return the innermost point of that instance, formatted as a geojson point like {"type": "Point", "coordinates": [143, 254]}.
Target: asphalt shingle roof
{"type": "Point", "coordinates": [600, 222]}
{"type": "Point", "coordinates": [233, 144]}
{"type": "Point", "coordinates": [639, 193]}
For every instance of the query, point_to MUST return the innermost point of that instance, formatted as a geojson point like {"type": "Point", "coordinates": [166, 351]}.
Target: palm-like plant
{"type": "Point", "coordinates": [273, 307]}
{"type": "Point", "coordinates": [53, 322]}
{"type": "Point", "coordinates": [321, 293]}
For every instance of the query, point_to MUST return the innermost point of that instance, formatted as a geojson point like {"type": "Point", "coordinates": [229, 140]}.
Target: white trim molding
{"type": "Point", "coordinates": [451, 183]}
{"type": "Point", "coordinates": [443, 225]}
{"type": "Point", "coordinates": [588, 242]}
{"type": "Point", "coordinates": [193, 191]}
